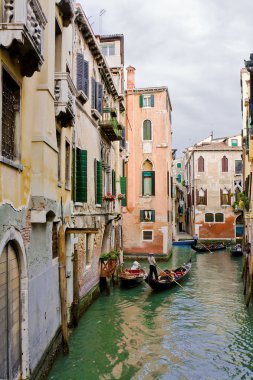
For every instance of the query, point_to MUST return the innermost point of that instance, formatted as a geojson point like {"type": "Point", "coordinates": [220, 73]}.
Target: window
{"type": "Point", "coordinates": [147, 130]}
{"type": "Point", "coordinates": [82, 70]}
{"type": "Point", "coordinates": [219, 217]}
{"type": "Point", "coordinates": [209, 217]}
{"type": "Point", "coordinates": [58, 141]}
{"type": "Point", "coordinates": [178, 165]}
{"type": "Point", "coordinates": [113, 182]}
{"type": "Point", "coordinates": [108, 49]}
{"type": "Point", "coordinates": [201, 166]}
{"type": "Point", "coordinates": [98, 181]}
{"type": "Point", "coordinates": [201, 197]}
{"type": "Point", "coordinates": [224, 164]}
{"type": "Point", "coordinates": [147, 101]}
{"type": "Point", "coordinates": [87, 250]}
{"type": "Point", "coordinates": [123, 190]}
{"type": "Point", "coordinates": [96, 95]}
{"type": "Point", "coordinates": [234, 142]}
{"type": "Point", "coordinates": [67, 164]}
{"type": "Point", "coordinates": [147, 235]}
{"type": "Point", "coordinates": [147, 215]}
{"type": "Point", "coordinates": [225, 196]}
{"type": "Point", "coordinates": [54, 240]}
{"type": "Point", "coordinates": [10, 117]}
{"type": "Point", "coordinates": [81, 176]}
{"type": "Point", "coordinates": [148, 179]}
{"type": "Point", "coordinates": [179, 178]}
{"type": "Point", "coordinates": [238, 166]}
{"type": "Point", "coordinates": [148, 183]}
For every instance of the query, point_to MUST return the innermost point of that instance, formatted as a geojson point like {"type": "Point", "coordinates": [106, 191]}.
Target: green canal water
{"type": "Point", "coordinates": [203, 331]}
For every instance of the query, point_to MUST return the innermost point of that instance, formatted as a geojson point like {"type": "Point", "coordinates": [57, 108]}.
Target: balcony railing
{"type": "Point", "coordinates": [109, 125]}
{"type": "Point", "coordinates": [67, 10]}
{"type": "Point", "coordinates": [65, 93]}
{"type": "Point", "coordinates": [22, 24]}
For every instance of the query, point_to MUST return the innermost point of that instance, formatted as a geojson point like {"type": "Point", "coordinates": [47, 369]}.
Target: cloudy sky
{"type": "Point", "coordinates": [195, 47]}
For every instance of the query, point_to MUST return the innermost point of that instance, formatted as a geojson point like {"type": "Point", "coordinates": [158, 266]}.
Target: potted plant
{"type": "Point", "coordinates": [109, 197]}
{"type": "Point", "coordinates": [120, 196]}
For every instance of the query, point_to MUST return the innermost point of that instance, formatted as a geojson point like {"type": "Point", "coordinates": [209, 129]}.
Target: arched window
{"type": "Point", "coordinates": [201, 164]}
{"type": "Point", "coordinates": [148, 178]}
{"type": "Point", "coordinates": [209, 217]}
{"type": "Point", "coordinates": [224, 164]}
{"type": "Point", "coordinates": [219, 217]}
{"type": "Point", "coordinates": [225, 196]}
{"type": "Point", "coordinates": [147, 130]}
{"type": "Point", "coordinates": [179, 178]}
{"type": "Point", "coordinates": [201, 197]}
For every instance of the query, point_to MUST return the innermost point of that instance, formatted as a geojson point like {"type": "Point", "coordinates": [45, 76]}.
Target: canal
{"type": "Point", "coordinates": [202, 331]}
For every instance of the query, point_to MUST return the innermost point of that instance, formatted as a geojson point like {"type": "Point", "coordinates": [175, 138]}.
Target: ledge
{"type": "Point", "coordinates": [11, 163]}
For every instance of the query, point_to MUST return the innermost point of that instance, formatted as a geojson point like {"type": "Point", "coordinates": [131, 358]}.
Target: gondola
{"type": "Point", "coordinates": [131, 277]}
{"type": "Point", "coordinates": [236, 250]}
{"type": "Point", "coordinates": [209, 248]}
{"type": "Point", "coordinates": [169, 278]}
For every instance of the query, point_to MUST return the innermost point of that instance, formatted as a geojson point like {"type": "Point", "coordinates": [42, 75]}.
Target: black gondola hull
{"type": "Point", "coordinates": [211, 249]}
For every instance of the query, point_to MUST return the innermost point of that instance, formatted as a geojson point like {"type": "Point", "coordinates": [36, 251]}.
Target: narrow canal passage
{"type": "Point", "coordinates": [201, 332]}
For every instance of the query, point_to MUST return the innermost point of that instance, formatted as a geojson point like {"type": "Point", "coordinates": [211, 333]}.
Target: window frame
{"type": "Point", "coordinates": [148, 240]}
{"type": "Point", "coordinates": [151, 130]}
{"type": "Point", "coordinates": [201, 164]}
{"type": "Point", "coordinates": [236, 171]}
{"type": "Point", "coordinates": [152, 177]}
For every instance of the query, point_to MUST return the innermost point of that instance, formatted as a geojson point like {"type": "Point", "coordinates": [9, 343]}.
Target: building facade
{"type": "Point", "coordinates": [147, 219]}
{"type": "Point", "coordinates": [213, 175]}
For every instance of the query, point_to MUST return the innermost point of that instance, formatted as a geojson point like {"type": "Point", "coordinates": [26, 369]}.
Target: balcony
{"type": "Point", "coordinates": [67, 10]}
{"type": "Point", "coordinates": [22, 26]}
{"type": "Point", "coordinates": [109, 125]}
{"type": "Point", "coordinates": [65, 93]}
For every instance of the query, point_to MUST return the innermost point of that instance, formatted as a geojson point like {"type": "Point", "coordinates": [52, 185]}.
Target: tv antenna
{"type": "Point", "coordinates": [101, 13]}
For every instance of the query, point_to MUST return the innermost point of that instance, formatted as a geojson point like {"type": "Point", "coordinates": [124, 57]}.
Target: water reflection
{"type": "Point", "coordinates": [202, 330]}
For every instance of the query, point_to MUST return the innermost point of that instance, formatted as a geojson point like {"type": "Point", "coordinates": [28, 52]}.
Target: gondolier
{"type": "Point", "coordinates": [152, 266]}
{"type": "Point", "coordinates": [195, 238]}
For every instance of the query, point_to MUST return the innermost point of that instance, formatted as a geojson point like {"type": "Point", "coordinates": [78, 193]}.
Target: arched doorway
{"type": "Point", "coordinates": [10, 306]}
{"type": "Point", "coordinates": [239, 226]}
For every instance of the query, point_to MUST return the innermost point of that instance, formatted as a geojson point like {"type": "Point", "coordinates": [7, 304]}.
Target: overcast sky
{"type": "Point", "coordinates": [194, 47]}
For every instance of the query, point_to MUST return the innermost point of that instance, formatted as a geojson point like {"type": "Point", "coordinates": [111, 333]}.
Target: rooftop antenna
{"type": "Point", "coordinates": [211, 135]}
{"type": "Point", "coordinates": [101, 13]}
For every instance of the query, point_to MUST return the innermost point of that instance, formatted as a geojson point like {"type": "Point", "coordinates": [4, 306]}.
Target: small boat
{"type": "Point", "coordinates": [208, 248]}
{"type": "Point", "coordinates": [236, 250]}
{"type": "Point", "coordinates": [131, 277]}
{"type": "Point", "coordinates": [169, 278]}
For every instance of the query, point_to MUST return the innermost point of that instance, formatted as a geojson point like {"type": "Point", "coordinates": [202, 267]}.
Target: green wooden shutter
{"type": "Point", "coordinates": [99, 183]}
{"type": "Point", "coordinates": [153, 183]}
{"type": "Point", "coordinates": [141, 215]}
{"type": "Point", "coordinates": [152, 101]}
{"type": "Point", "coordinates": [81, 175]}
{"type": "Point", "coordinates": [153, 216]}
{"type": "Point", "coordinates": [123, 190]}
{"type": "Point", "coordinates": [141, 101]}
{"type": "Point", "coordinates": [113, 182]}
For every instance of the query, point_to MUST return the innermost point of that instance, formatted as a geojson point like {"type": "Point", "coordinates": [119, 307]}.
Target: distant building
{"type": "Point", "coordinates": [179, 197]}
{"type": "Point", "coordinates": [147, 218]}
{"type": "Point", "coordinates": [214, 184]}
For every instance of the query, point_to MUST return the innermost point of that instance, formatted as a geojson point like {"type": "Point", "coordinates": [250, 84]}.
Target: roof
{"type": "Point", "coordinates": [216, 146]}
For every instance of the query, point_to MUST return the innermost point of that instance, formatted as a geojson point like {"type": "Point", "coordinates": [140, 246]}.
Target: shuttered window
{"type": "Point", "coordinates": [98, 181]}
{"type": "Point", "coordinates": [81, 176]}
{"type": "Point", "coordinates": [96, 95]}
{"type": "Point", "coordinates": [225, 197]}
{"type": "Point", "coordinates": [147, 101]}
{"type": "Point", "coordinates": [82, 74]}
{"type": "Point", "coordinates": [123, 185]}
{"type": "Point", "coordinates": [148, 183]}
{"type": "Point", "coordinates": [201, 164]}
{"type": "Point", "coordinates": [224, 164]}
{"type": "Point", "coordinates": [113, 182]}
{"type": "Point", "coordinates": [147, 215]}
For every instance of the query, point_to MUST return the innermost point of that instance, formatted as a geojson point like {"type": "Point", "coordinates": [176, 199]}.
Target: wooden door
{"type": "Point", "coordinates": [10, 344]}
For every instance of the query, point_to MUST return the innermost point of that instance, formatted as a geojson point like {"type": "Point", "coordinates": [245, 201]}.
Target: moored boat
{"type": "Point", "coordinates": [169, 278]}
{"type": "Point", "coordinates": [236, 250]}
{"type": "Point", "coordinates": [208, 248]}
{"type": "Point", "coordinates": [131, 277]}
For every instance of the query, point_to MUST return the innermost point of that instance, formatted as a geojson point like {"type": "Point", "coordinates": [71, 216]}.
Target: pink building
{"type": "Point", "coordinates": [147, 219]}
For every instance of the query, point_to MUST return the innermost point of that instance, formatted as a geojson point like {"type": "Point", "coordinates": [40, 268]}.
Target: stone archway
{"type": "Point", "coordinates": [14, 307]}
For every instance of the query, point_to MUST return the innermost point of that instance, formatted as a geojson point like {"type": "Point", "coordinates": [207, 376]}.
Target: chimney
{"type": "Point", "coordinates": [130, 78]}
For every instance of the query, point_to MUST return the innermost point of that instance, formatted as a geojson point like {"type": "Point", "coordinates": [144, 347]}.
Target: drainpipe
{"type": "Point", "coordinates": [63, 290]}
{"type": "Point", "coordinates": [75, 307]}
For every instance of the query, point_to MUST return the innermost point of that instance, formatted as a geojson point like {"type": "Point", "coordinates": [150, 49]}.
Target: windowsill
{"type": "Point", "coordinates": [98, 205]}
{"type": "Point", "coordinates": [78, 203]}
{"type": "Point", "coordinates": [59, 184]}
{"type": "Point", "coordinates": [67, 187]}
{"type": "Point", "coordinates": [11, 163]}
{"type": "Point", "coordinates": [147, 196]}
